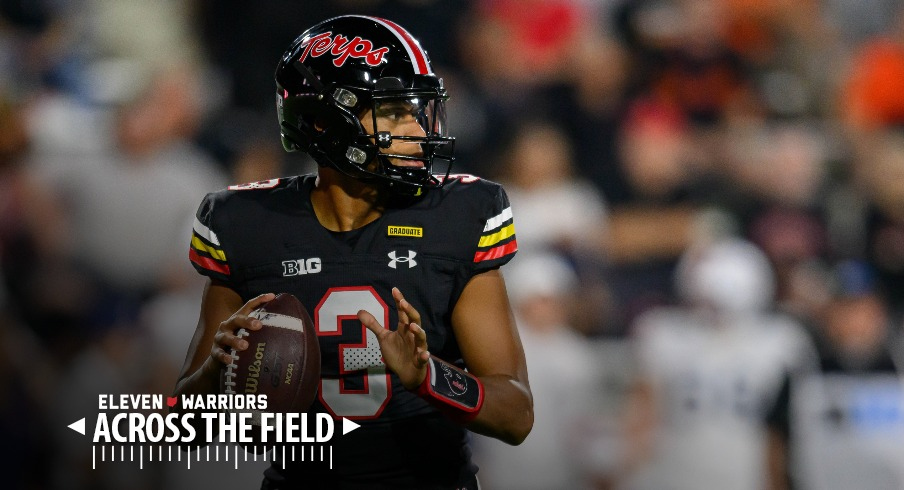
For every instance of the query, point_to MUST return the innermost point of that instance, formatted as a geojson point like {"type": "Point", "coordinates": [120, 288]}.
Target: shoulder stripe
{"type": "Point", "coordinates": [200, 246]}
{"type": "Point", "coordinates": [207, 263]}
{"type": "Point", "coordinates": [497, 220]}
{"type": "Point", "coordinates": [417, 54]}
{"type": "Point", "coordinates": [205, 232]}
{"type": "Point", "coordinates": [489, 240]}
{"type": "Point", "coordinates": [497, 252]}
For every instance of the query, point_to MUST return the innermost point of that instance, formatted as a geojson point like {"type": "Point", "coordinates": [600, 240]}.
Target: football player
{"type": "Point", "coordinates": [397, 261]}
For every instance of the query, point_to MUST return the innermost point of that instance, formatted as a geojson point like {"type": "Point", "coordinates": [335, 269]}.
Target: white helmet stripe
{"type": "Point", "coordinates": [415, 52]}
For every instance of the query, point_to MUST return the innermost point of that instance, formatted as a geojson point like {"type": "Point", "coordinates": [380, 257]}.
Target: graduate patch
{"type": "Point", "coordinates": [409, 231]}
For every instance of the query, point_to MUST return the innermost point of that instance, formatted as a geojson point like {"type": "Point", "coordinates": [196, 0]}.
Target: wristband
{"type": "Point", "coordinates": [454, 392]}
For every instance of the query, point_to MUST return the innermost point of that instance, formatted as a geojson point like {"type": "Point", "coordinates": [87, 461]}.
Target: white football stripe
{"type": "Point", "coordinates": [418, 57]}
{"type": "Point", "coordinates": [278, 320]}
{"type": "Point", "coordinates": [497, 220]}
{"type": "Point", "coordinates": [205, 232]}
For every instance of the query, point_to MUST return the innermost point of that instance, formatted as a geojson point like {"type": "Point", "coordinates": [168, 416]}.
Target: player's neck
{"type": "Point", "coordinates": [342, 203]}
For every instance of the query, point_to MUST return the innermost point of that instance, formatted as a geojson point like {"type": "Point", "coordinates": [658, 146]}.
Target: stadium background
{"type": "Point", "coordinates": [634, 137]}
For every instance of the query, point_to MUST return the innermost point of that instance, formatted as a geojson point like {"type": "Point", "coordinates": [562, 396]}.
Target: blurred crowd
{"type": "Point", "coordinates": [709, 198]}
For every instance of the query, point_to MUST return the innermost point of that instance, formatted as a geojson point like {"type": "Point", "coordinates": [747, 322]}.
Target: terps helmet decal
{"type": "Point", "coordinates": [342, 48]}
{"type": "Point", "coordinates": [338, 69]}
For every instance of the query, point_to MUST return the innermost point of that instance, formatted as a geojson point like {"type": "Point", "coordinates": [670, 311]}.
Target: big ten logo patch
{"type": "Point", "coordinates": [301, 266]}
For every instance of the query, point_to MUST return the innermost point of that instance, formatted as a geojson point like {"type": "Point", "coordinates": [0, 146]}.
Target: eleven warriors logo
{"type": "Point", "coordinates": [342, 48]}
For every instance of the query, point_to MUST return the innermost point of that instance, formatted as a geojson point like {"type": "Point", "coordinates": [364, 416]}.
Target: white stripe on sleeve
{"type": "Point", "coordinates": [497, 220]}
{"type": "Point", "coordinates": [205, 232]}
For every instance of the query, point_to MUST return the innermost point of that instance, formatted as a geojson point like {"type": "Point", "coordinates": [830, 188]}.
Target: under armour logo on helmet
{"type": "Point", "coordinates": [384, 139]}
{"type": "Point", "coordinates": [405, 260]}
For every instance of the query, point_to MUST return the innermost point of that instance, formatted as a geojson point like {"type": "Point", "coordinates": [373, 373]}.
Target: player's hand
{"type": "Point", "coordinates": [405, 348]}
{"type": "Point", "coordinates": [226, 339]}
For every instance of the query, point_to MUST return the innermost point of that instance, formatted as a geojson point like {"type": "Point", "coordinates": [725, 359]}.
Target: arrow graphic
{"type": "Point", "coordinates": [78, 426]}
{"type": "Point", "coordinates": [347, 425]}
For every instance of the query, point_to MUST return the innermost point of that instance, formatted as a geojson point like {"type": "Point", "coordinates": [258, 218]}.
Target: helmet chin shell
{"type": "Point", "coordinates": [338, 70]}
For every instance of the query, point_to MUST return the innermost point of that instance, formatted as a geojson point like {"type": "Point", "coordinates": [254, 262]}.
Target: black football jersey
{"type": "Point", "coordinates": [264, 237]}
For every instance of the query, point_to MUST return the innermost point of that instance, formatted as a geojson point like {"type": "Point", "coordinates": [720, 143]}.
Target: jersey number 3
{"type": "Point", "coordinates": [364, 356]}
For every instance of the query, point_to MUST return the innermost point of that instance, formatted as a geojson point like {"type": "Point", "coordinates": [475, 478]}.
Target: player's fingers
{"type": "Point", "coordinates": [238, 321]}
{"type": "Point", "coordinates": [416, 338]}
{"type": "Point", "coordinates": [403, 319]}
{"type": "Point", "coordinates": [220, 355]}
{"type": "Point", "coordinates": [403, 315]}
{"type": "Point", "coordinates": [408, 333]}
{"type": "Point", "coordinates": [410, 313]}
{"type": "Point", "coordinates": [422, 357]}
{"type": "Point", "coordinates": [413, 315]}
{"type": "Point", "coordinates": [250, 323]}
{"type": "Point", "coordinates": [228, 340]}
{"type": "Point", "coordinates": [420, 336]}
{"type": "Point", "coordinates": [254, 324]}
{"type": "Point", "coordinates": [371, 323]}
{"type": "Point", "coordinates": [253, 303]}
{"type": "Point", "coordinates": [397, 295]}
{"type": "Point", "coordinates": [409, 339]}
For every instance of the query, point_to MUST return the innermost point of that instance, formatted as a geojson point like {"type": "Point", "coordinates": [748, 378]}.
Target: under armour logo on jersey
{"type": "Point", "coordinates": [405, 260]}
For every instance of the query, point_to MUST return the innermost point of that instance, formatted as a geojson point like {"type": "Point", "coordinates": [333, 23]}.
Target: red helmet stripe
{"type": "Point", "coordinates": [417, 54]}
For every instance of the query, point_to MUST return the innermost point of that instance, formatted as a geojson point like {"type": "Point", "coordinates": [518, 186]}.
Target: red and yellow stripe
{"type": "Point", "coordinates": [205, 250]}
{"type": "Point", "coordinates": [498, 239]}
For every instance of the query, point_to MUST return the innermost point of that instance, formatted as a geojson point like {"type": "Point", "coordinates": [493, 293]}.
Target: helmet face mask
{"type": "Point", "coordinates": [349, 92]}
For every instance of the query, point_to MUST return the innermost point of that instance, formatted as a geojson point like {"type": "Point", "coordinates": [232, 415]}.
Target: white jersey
{"type": "Point", "coordinates": [847, 431]}
{"type": "Point", "coordinates": [713, 384]}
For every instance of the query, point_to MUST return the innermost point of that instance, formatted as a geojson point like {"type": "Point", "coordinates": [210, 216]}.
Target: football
{"type": "Point", "coordinates": [282, 360]}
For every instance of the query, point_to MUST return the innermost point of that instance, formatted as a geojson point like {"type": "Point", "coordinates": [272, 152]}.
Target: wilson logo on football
{"type": "Point", "coordinates": [342, 48]}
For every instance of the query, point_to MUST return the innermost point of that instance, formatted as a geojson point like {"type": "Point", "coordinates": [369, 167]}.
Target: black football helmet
{"type": "Point", "coordinates": [337, 70]}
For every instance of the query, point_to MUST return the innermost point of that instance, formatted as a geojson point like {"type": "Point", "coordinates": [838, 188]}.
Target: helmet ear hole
{"type": "Point", "coordinates": [336, 135]}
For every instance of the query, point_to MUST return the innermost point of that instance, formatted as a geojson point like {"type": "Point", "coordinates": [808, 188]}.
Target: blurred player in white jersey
{"type": "Point", "coordinates": [842, 426]}
{"type": "Point", "coordinates": [707, 372]}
